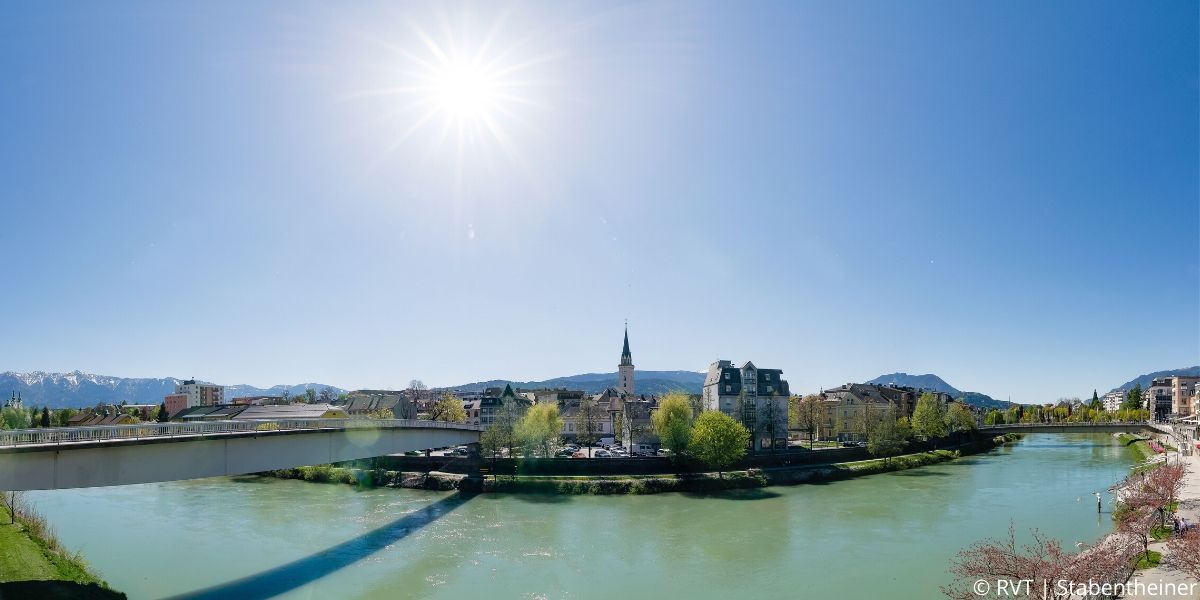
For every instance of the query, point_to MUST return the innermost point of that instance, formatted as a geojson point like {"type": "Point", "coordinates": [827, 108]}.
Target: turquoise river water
{"type": "Point", "coordinates": [883, 536]}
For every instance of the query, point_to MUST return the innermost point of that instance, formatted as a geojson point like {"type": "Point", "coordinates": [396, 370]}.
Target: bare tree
{"type": "Point", "coordinates": [14, 503]}
{"type": "Point", "coordinates": [1048, 568]}
{"type": "Point", "coordinates": [588, 422]}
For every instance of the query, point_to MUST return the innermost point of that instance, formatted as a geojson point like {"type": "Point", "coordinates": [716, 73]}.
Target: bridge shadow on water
{"type": "Point", "coordinates": [297, 573]}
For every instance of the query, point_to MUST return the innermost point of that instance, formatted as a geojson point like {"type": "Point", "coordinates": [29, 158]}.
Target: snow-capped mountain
{"type": "Point", "coordinates": [78, 389]}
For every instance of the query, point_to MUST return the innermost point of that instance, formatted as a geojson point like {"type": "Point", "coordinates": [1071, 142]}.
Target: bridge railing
{"type": "Point", "coordinates": [1081, 424]}
{"type": "Point", "coordinates": [100, 433]}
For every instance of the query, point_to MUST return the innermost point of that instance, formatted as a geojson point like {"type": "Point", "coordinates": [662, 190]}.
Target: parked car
{"type": "Point", "coordinates": [848, 444]}
{"type": "Point", "coordinates": [460, 451]}
{"type": "Point", "coordinates": [602, 453]}
{"type": "Point", "coordinates": [579, 454]}
{"type": "Point", "coordinates": [564, 453]}
{"type": "Point", "coordinates": [663, 452]}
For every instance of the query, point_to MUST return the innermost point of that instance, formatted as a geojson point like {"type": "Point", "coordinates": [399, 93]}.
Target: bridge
{"type": "Point", "coordinates": [76, 457]}
{"type": "Point", "coordinates": [1111, 427]}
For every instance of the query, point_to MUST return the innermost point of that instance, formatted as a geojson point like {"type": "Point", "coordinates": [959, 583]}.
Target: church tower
{"type": "Point", "coordinates": [625, 369]}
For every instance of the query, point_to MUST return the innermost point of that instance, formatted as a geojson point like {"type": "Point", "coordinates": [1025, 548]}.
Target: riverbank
{"type": "Point", "coordinates": [640, 484]}
{"type": "Point", "coordinates": [1188, 508]}
{"type": "Point", "coordinates": [33, 564]}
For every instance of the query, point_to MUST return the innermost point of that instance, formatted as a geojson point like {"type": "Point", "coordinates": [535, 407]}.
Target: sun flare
{"type": "Point", "coordinates": [462, 93]}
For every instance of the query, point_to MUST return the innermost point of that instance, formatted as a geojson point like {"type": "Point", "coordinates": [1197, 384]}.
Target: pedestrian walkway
{"type": "Point", "coordinates": [1189, 508]}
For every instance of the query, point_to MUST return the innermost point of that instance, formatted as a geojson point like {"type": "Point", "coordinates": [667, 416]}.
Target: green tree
{"type": "Point", "coordinates": [163, 416]}
{"type": "Point", "coordinates": [63, 416]}
{"type": "Point", "coordinates": [1095, 399]}
{"type": "Point", "coordinates": [673, 423]}
{"type": "Point", "coordinates": [448, 408]}
{"type": "Point", "coordinates": [310, 396]}
{"type": "Point", "coordinates": [718, 440]}
{"type": "Point", "coordinates": [540, 429]}
{"type": "Point", "coordinates": [928, 418]}
{"type": "Point", "coordinates": [886, 437]}
{"type": "Point", "coordinates": [14, 418]}
{"type": "Point", "coordinates": [45, 416]}
{"type": "Point", "coordinates": [993, 417]}
{"type": "Point", "coordinates": [959, 418]}
{"type": "Point", "coordinates": [1133, 398]}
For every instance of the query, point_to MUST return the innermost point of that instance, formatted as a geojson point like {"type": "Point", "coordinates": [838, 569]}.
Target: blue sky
{"type": "Point", "coordinates": [1006, 194]}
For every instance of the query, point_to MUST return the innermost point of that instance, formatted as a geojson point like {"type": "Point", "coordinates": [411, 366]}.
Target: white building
{"type": "Point", "coordinates": [758, 398]}
{"type": "Point", "coordinates": [1112, 400]}
{"type": "Point", "coordinates": [201, 394]}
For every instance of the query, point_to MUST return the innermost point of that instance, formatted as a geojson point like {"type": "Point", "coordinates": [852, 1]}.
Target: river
{"type": "Point", "coordinates": [883, 536]}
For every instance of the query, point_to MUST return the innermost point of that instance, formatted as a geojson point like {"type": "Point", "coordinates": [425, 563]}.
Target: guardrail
{"type": "Point", "coordinates": [99, 433]}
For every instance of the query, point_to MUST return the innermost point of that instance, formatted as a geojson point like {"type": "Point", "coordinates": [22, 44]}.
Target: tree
{"type": "Point", "coordinates": [14, 418]}
{"type": "Point", "coordinates": [1043, 563]}
{"type": "Point", "coordinates": [1133, 398]}
{"type": "Point", "coordinates": [163, 416]}
{"type": "Point", "coordinates": [588, 422]}
{"type": "Point", "coordinates": [993, 417]}
{"type": "Point", "coordinates": [928, 418]}
{"type": "Point", "coordinates": [959, 418]}
{"type": "Point", "coordinates": [805, 415]}
{"type": "Point", "coordinates": [327, 396]}
{"type": "Point", "coordinates": [64, 416]}
{"type": "Point", "coordinates": [772, 420]}
{"type": "Point", "coordinates": [1184, 553]}
{"type": "Point", "coordinates": [718, 440]}
{"type": "Point", "coordinates": [673, 423]}
{"type": "Point", "coordinates": [1095, 399]}
{"type": "Point", "coordinates": [14, 503]}
{"type": "Point", "coordinates": [45, 416]}
{"type": "Point", "coordinates": [540, 429]}
{"type": "Point", "coordinates": [886, 438]}
{"type": "Point", "coordinates": [310, 396]}
{"type": "Point", "coordinates": [448, 408]}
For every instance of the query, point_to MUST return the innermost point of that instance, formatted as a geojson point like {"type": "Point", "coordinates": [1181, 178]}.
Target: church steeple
{"type": "Point", "coordinates": [626, 357]}
{"type": "Point", "coordinates": [625, 368]}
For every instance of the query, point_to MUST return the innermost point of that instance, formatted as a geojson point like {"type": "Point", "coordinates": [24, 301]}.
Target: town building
{"type": "Point", "coordinates": [1183, 388]}
{"type": "Point", "coordinates": [361, 403]}
{"type": "Point", "coordinates": [15, 401]}
{"type": "Point", "coordinates": [847, 409]}
{"type": "Point", "coordinates": [1112, 401]}
{"type": "Point", "coordinates": [201, 394]}
{"type": "Point", "coordinates": [176, 403]}
{"type": "Point", "coordinates": [758, 398]}
{"type": "Point", "coordinates": [1158, 399]}
{"type": "Point", "coordinates": [258, 400]}
{"type": "Point", "coordinates": [483, 409]}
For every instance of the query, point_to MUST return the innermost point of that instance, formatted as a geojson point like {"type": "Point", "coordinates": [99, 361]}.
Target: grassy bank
{"type": "Point", "coordinates": [1138, 445]}
{"type": "Point", "coordinates": [33, 564]}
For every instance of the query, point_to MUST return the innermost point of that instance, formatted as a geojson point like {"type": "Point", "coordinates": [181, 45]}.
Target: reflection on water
{"type": "Point", "coordinates": [226, 538]}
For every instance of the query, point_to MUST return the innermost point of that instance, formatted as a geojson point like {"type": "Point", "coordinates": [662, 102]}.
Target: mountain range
{"type": "Point", "coordinates": [647, 382]}
{"type": "Point", "coordinates": [78, 389]}
{"type": "Point", "coordinates": [1145, 380]}
{"type": "Point", "coordinates": [934, 383]}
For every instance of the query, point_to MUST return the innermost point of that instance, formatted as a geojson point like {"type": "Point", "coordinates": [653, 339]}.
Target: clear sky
{"type": "Point", "coordinates": [1005, 194]}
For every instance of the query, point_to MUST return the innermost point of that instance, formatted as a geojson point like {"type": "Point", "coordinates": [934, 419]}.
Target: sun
{"type": "Point", "coordinates": [465, 91]}
{"type": "Point", "coordinates": [461, 93]}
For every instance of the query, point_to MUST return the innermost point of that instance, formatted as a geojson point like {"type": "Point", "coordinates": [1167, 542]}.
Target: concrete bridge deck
{"type": "Point", "coordinates": [73, 457]}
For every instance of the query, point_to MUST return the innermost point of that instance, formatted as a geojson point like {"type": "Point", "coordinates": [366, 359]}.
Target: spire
{"type": "Point", "coordinates": [626, 356]}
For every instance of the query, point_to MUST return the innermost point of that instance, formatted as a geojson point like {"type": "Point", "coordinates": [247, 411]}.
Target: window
{"type": "Point", "coordinates": [770, 389]}
{"type": "Point", "coordinates": [727, 377]}
{"type": "Point", "coordinates": [767, 376]}
{"type": "Point", "coordinates": [729, 388]}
